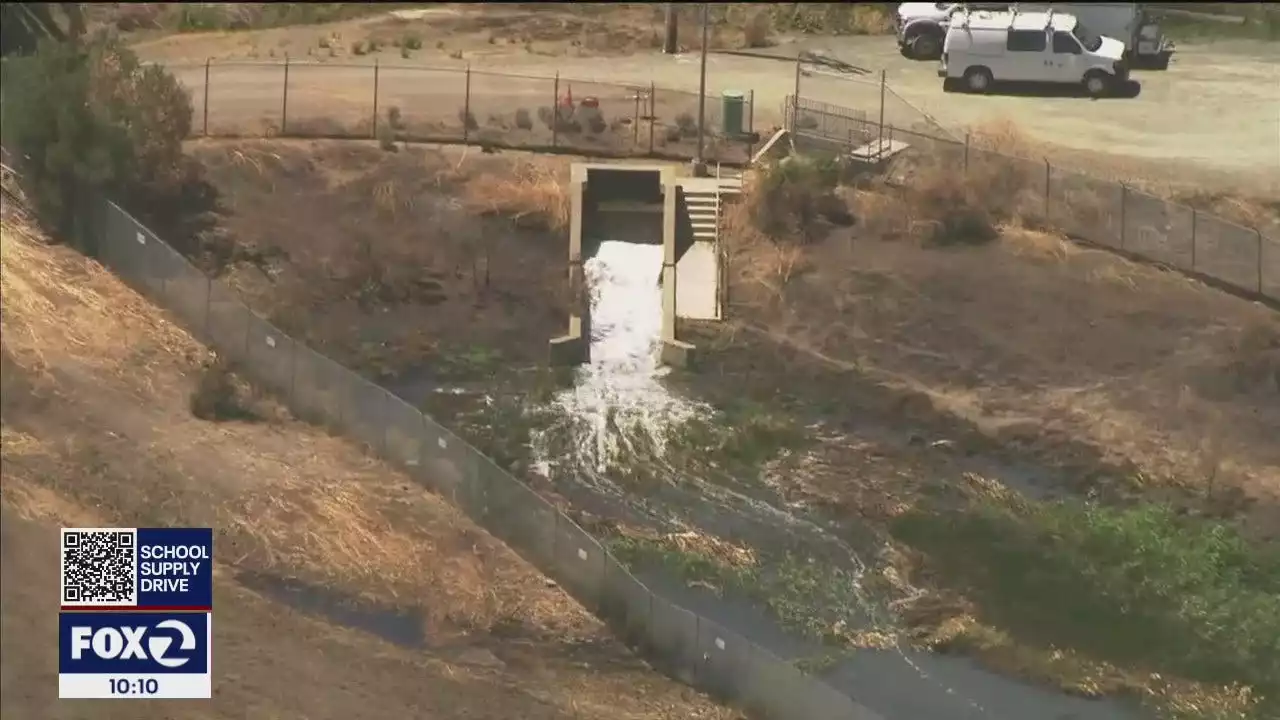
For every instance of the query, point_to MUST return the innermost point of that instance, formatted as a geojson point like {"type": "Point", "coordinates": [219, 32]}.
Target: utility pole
{"type": "Point", "coordinates": [670, 42]}
{"type": "Point", "coordinates": [700, 165]}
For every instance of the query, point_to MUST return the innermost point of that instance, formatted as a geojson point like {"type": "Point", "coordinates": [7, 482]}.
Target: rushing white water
{"type": "Point", "coordinates": [618, 397]}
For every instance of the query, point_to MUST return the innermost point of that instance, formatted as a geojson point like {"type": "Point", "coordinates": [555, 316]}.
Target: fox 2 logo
{"type": "Point", "coordinates": [133, 642]}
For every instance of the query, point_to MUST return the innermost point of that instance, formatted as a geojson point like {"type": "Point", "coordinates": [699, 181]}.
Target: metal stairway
{"type": "Point", "coordinates": [704, 202]}
{"type": "Point", "coordinates": [704, 198]}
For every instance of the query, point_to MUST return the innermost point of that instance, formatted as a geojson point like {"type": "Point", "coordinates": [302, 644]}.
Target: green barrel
{"type": "Point", "coordinates": [733, 103]}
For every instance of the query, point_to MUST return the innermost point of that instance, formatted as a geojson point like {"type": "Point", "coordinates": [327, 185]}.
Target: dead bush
{"type": "Point", "coordinates": [754, 258]}
{"type": "Point", "coordinates": [948, 210]}
{"type": "Point", "coordinates": [594, 121]}
{"type": "Point", "coordinates": [394, 118]}
{"type": "Point", "coordinates": [949, 205]}
{"type": "Point", "coordinates": [687, 125]}
{"type": "Point", "coordinates": [386, 137]}
{"type": "Point", "coordinates": [468, 119]}
{"type": "Point", "coordinates": [219, 396]}
{"type": "Point", "coordinates": [532, 196]}
{"type": "Point", "coordinates": [523, 120]}
{"type": "Point", "coordinates": [559, 119]}
{"type": "Point", "coordinates": [881, 211]}
{"type": "Point", "coordinates": [758, 32]}
{"type": "Point", "coordinates": [1255, 365]}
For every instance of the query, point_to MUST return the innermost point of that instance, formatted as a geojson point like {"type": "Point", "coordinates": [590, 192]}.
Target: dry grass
{"type": "Point", "coordinates": [95, 416]}
{"type": "Point", "coordinates": [1110, 378]}
{"type": "Point", "coordinates": [395, 262]}
{"type": "Point", "coordinates": [533, 196]}
{"type": "Point", "coordinates": [1255, 362]}
{"type": "Point", "coordinates": [757, 260]}
{"type": "Point", "coordinates": [1256, 209]}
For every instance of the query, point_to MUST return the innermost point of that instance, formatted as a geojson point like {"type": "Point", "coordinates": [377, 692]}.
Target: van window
{"type": "Point", "coordinates": [1090, 41]}
{"type": "Point", "coordinates": [1025, 41]}
{"type": "Point", "coordinates": [1065, 44]}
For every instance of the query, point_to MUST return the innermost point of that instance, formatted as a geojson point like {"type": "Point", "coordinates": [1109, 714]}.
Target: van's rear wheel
{"type": "Point", "coordinates": [977, 79]}
{"type": "Point", "coordinates": [926, 46]}
{"type": "Point", "coordinates": [1097, 84]}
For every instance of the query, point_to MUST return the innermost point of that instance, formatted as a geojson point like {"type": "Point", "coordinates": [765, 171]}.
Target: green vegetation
{"type": "Point", "coordinates": [815, 599]}
{"type": "Point", "coordinates": [1142, 588]}
{"type": "Point", "coordinates": [795, 199]}
{"type": "Point", "coordinates": [740, 436]}
{"type": "Point", "coordinates": [24, 25]}
{"type": "Point", "coordinates": [80, 120]}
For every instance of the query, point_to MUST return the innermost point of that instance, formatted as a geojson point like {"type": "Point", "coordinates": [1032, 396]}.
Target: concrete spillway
{"type": "Point", "coordinates": [641, 204]}
{"type": "Point", "coordinates": [618, 398]}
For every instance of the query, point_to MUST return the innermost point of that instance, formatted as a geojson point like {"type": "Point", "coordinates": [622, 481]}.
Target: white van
{"type": "Point", "coordinates": [1145, 43]}
{"type": "Point", "coordinates": [921, 27]}
{"type": "Point", "coordinates": [1044, 47]}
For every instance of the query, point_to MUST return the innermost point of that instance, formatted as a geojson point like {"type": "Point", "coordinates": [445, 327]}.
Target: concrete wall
{"type": "Point", "coordinates": [628, 183]}
{"type": "Point", "coordinates": [632, 203]}
{"type": "Point", "coordinates": [627, 222]}
{"type": "Point", "coordinates": [571, 348]}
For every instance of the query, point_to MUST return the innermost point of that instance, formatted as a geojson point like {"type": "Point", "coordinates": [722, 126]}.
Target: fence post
{"type": "Point", "coordinates": [795, 98]}
{"type": "Point", "coordinates": [1124, 212]}
{"type": "Point", "coordinates": [555, 112]}
{"type": "Point", "coordinates": [284, 100]}
{"type": "Point", "coordinates": [382, 419]}
{"type": "Point", "coordinates": [653, 113]}
{"type": "Point", "coordinates": [1194, 221]}
{"type": "Point", "coordinates": [880, 147]}
{"type": "Point", "coordinates": [635, 120]}
{"type": "Point", "coordinates": [293, 372]}
{"type": "Point", "coordinates": [751, 116]}
{"type": "Point", "coordinates": [466, 108]}
{"type": "Point", "coordinates": [208, 303]}
{"type": "Point", "coordinates": [246, 313]}
{"type": "Point", "coordinates": [376, 73]}
{"type": "Point", "coordinates": [1048, 170]}
{"type": "Point", "coordinates": [207, 61]}
{"type": "Point", "coordinates": [1258, 233]}
{"type": "Point", "coordinates": [966, 153]}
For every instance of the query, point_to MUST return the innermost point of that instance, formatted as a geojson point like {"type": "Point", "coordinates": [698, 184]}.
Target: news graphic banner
{"type": "Point", "coordinates": [136, 613]}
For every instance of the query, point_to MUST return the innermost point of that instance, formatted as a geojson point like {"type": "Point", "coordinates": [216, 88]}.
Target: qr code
{"type": "Point", "coordinates": [99, 566]}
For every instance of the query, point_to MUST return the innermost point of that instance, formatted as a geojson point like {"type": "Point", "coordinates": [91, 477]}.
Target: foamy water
{"type": "Point", "coordinates": [618, 397]}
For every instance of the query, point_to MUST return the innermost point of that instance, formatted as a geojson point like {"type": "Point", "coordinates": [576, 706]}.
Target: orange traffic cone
{"type": "Point", "coordinates": [568, 97]}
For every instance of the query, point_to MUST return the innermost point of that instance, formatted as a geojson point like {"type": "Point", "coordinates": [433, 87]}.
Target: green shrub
{"type": "Point", "coordinates": [794, 199]}
{"type": "Point", "coordinates": [88, 120]}
{"type": "Point", "coordinates": [1139, 587]}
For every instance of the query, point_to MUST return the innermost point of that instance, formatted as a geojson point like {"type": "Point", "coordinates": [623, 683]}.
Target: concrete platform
{"type": "Point", "coordinates": [697, 277]}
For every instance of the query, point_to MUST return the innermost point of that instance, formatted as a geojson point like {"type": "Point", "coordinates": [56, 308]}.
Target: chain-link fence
{"type": "Point", "coordinates": [1101, 212]}
{"type": "Point", "coordinates": [424, 104]}
{"type": "Point", "coordinates": [687, 645]}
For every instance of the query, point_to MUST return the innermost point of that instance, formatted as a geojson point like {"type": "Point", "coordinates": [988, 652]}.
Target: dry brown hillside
{"type": "Point", "coordinates": [343, 589]}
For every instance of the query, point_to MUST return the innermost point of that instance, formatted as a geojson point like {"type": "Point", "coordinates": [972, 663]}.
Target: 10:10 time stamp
{"type": "Point", "coordinates": [133, 686]}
